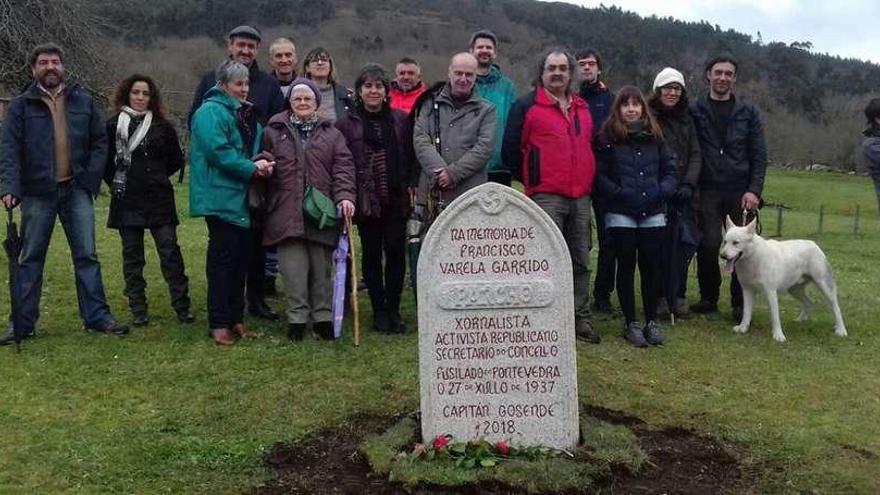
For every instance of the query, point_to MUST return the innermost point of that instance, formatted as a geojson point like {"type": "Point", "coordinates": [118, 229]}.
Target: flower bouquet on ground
{"type": "Point", "coordinates": [478, 453]}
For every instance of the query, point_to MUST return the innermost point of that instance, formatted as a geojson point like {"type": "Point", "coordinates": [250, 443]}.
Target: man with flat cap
{"type": "Point", "coordinates": [242, 46]}
{"type": "Point", "coordinates": [266, 100]}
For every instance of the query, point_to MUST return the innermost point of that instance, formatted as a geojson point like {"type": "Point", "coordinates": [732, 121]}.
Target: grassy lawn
{"type": "Point", "coordinates": [164, 410]}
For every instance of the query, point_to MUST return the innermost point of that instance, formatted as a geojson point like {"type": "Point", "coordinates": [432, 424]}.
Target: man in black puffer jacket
{"type": "Point", "coordinates": [732, 177]}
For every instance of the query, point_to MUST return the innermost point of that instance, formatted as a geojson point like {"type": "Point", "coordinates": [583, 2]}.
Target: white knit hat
{"type": "Point", "coordinates": [667, 76]}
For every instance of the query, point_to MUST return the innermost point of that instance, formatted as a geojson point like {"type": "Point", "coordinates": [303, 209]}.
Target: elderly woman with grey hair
{"type": "Point", "coordinates": [224, 136]}
{"type": "Point", "coordinates": [313, 183]}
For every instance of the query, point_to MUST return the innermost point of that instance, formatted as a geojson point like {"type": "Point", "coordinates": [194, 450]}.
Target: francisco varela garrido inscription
{"type": "Point", "coordinates": [496, 323]}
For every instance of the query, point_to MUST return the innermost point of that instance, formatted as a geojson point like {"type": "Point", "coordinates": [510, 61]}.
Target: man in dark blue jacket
{"type": "Point", "coordinates": [600, 99]}
{"type": "Point", "coordinates": [265, 94]}
{"type": "Point", "coordinates": [734, 151]}
{"type": "Point", "coordinates": [52, 156]}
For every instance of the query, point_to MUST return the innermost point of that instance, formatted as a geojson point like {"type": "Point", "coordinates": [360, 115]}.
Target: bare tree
{"type": "Point", "coordinates": [70, 23]}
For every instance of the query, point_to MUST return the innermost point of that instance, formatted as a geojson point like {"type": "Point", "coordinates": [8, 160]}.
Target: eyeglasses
{"type": "Point", "coordinates": [320, 58]}
{"type": "Point", "coordinates": [672, 89]}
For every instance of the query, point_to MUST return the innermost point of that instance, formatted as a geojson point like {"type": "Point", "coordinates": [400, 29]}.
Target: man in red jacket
{"type": "Point", "coordinates": [548, 147]}
{"type": "Point", "coordinates": [407, 85]}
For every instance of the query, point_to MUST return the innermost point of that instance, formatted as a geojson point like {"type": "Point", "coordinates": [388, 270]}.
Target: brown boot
{"type": "Point", "coordinates": [243, 331]}
{"type": "Point", "coordinates": [222, 336]}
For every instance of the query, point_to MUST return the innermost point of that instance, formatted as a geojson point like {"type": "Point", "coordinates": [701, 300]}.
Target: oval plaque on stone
{"type": "Point", "coordinates": [496, 323]}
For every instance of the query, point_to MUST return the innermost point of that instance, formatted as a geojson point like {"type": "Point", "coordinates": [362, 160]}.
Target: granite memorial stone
{"type": "Point", "coordinates": [496, 323]}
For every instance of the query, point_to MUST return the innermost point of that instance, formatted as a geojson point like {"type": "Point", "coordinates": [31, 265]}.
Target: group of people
{"type": "Point", "coordinates": [277, 160]}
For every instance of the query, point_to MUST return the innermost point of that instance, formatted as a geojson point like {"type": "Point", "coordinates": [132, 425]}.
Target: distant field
{"type": "Point", "coordinates": [166, 411]}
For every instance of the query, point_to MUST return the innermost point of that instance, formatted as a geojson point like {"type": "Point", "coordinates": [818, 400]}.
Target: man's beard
{"type": "Point", "coordinates": [50, 80]}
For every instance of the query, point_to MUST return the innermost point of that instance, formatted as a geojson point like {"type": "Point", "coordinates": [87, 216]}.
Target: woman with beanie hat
{"type": "Point", "coordinates": [871, 144]}
{"type": "Point", "coordinates": [312, 167]}
{"type": "Point", "coordinates": [380, 139]}
{"type": "Point", "coordinates": [636, 178]}
{"type": "Point", "coordinates": [669, 103]}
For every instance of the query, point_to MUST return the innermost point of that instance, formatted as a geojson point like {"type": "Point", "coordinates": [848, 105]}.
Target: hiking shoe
{"type": "Point", "coordinates": [9, 337]}
{"type": "Point", "coordinates": [634, 334]}
{"type": "Point", "coordinates": [662, 308]}
{"type": "Point", "coordinates": [186, 317]}
{"type": "Point", "coordinates": [324, 330]}
{"type": "Point", "coordinates": [603, 305]}
{"type": "Point", "coordinates": [736, 314]}
{"type": "Point", "coordinates": [397, 323]}
{"type": "Point", "coordinates": [141, 320]}
{"type": "Point", "coordinates": [653, 333]}
{"type": "Point", "coordinates": [382, 322]}
{"type": "Point", "coordinates": [705, 307]}
{"type": "Point", "coordinates": [222, 336]}
{"type": "Point", "coordinates": [584, 331]}
{"type": "Point", "coordinates": [242, 331]}
{"type": "Point", "coordinates": [296, 331]}
{"type": "Point", "coordinates": [110, 326]}
{"type": "Point", "coordinates": [681, 308]}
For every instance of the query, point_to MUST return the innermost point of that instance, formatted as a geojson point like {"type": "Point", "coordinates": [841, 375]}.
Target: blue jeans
{"type": "Point", "coordinates": [74, 207]}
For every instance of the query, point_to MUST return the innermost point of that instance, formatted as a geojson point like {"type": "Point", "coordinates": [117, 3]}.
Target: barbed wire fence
{"type": "Point", "coordinates": [775, 217]}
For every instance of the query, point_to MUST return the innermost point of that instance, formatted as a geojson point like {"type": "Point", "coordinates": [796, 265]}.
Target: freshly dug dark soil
{"type": "Point", "coordinates": [328, 462]}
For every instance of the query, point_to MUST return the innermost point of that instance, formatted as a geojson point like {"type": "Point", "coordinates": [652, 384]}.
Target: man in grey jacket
{"type": "Point", "coordinates": [454, 134]}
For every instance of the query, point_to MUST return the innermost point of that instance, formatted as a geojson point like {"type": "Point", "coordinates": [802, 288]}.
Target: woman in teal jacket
{"type": "Point", "coordinates": [220, 172]}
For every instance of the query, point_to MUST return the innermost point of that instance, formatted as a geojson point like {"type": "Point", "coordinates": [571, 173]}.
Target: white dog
{"type": "Point", "coordinates": [776, 266]}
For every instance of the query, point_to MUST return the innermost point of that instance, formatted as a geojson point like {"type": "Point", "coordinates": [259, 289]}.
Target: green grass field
{"type": "Point", "coordinates": [164, 410]}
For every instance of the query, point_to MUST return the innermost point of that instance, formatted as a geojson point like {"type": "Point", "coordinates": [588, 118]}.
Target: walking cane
{"type": "Point", "coordinates": [354, 283]}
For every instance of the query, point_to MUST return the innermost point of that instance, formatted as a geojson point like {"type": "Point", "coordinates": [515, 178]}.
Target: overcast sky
{"type": "Point", "coordinates": [849, 28]}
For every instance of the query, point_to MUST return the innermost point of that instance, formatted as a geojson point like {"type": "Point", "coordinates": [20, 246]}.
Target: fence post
{"type": "Point", "coordinates": [779, 221]}
{"type": "Point", "coordinates": [821, 216]}
{"type": "Point", "coordinates": [856, 222]}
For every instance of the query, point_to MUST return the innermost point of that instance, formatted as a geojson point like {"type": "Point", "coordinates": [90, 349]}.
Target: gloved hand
{"type": "Point", "coordinates": [684, 193]}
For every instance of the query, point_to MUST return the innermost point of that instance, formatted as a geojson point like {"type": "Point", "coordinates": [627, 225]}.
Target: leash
{"type": "Point", "coordinates": [745, 220]}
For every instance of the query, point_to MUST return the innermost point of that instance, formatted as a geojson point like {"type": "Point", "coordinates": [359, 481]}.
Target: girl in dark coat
{"type": "Point", "coordinates": [636, 178]}
{"type": "Point", "coordinates": [670, 104]}
{"type": "Point", "coordinates": [143, 153]}
{"type": "Point", "coordinates": [381, 141]}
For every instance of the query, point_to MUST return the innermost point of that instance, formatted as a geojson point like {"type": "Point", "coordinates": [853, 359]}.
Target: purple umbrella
{"type": "Point", "coordinates": [340, 255]}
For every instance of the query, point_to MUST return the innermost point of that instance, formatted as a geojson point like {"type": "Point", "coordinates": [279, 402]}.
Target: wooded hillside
{"type": "Point", "coordinates": [811, 103]}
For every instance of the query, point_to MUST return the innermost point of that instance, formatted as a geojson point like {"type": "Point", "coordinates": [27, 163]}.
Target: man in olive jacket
{"type": "Point", "coordinates": [454, 134]}
{"type": "Point", "coordinates": [52, 155]}
{"type": "Point", "coordinates": [734, 153]}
